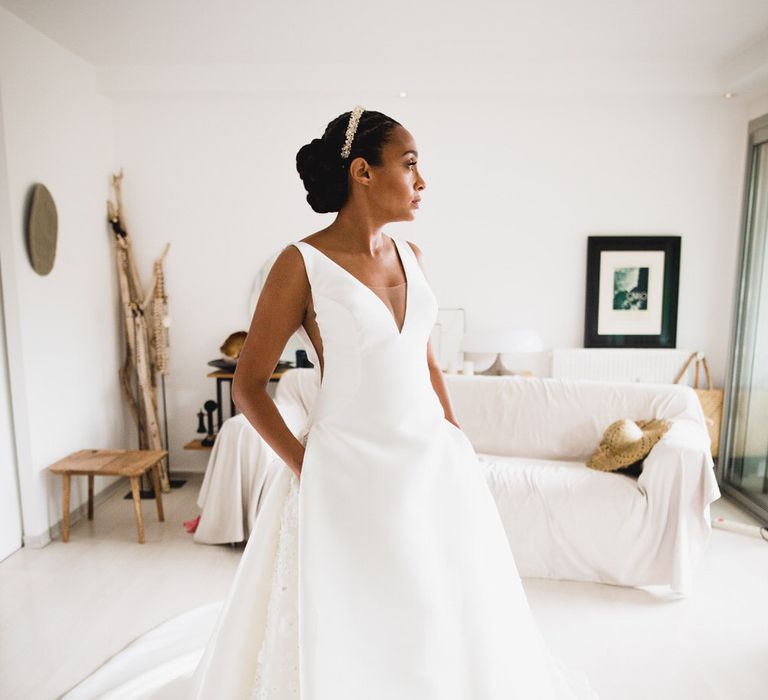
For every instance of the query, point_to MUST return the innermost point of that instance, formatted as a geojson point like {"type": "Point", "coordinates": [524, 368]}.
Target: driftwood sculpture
{"type": "Point", "coordinates": [145, 343]}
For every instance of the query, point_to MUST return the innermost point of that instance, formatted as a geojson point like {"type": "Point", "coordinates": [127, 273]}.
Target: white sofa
{"type": "Point", "coordinates": [242, 465]}
{"type": "Point", "coordinates": [532, 437]}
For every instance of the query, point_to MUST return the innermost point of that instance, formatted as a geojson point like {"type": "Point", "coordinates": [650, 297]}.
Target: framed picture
{"type": "Point", "coordinates": [632, 284]}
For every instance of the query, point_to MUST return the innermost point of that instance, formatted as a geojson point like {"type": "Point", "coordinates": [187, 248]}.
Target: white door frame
{"type": "Point", "coordinates": [20, 446]}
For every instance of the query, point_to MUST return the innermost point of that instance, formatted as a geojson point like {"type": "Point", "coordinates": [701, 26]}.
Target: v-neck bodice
{"type": "Point", "coordinates": [364, 353]}
{"type": "Point", "coordinates": [399, 326]}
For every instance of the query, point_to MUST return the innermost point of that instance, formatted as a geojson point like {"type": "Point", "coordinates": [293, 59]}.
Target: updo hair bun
{"type": "Point", "coordinates": [325, 173]}
{"type": "Point", "coordinates": [323, 176]}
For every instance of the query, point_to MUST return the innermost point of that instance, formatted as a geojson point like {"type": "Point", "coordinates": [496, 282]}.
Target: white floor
{"type": "Point", "coordinates": [66, 608]}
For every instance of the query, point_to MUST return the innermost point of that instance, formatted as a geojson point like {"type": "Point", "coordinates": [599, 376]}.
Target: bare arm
{"type": "Point", "coordinates": [435, 373]}
{"type": "Point", "coordinates": [279, 312]}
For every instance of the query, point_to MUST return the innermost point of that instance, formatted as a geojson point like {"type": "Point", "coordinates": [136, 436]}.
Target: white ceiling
{"type": "Point", "coordinates": [122, 32]}
{"type": "Point", "coordinates": [729, 37]}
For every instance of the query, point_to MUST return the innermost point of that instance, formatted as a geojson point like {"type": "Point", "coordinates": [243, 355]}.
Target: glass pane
{"type": "Point", "coordinates": [748, 449]}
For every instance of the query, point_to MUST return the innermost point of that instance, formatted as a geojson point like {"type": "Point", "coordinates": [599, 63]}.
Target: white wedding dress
{"type": "Point", "coordinates": [385, 573]}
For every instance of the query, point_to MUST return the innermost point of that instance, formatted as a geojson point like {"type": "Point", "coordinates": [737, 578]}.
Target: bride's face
{"type": "Point", "coordinates": [396, 184]}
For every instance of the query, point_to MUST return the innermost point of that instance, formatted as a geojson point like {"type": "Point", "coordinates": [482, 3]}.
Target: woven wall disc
{"type": "Point", "coordinates": [42, 230]}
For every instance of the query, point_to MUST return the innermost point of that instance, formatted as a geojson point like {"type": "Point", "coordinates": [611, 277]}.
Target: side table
{"type": "Point", "coordinates": [129, 463]}
{"type": "Point", "coordinates": [224, 377]}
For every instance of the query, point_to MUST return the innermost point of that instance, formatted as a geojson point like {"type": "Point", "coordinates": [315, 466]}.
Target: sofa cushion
{"type": "Point", "coordinates": [564, 520]}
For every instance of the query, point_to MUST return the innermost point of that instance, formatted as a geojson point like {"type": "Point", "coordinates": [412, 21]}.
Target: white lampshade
{"type": "Point", "coordinates": [502, 340]}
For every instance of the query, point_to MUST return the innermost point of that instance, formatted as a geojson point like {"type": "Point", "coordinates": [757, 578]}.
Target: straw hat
{"type": "Point", "coordinates": [625, 442]}
{"type": "Point", "coordinates": [233, 345]}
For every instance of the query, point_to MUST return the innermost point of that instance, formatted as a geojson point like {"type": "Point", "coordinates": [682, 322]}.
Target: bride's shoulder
{"type": "Point", "coordinates": [414, 247]}
{"type": "Point", "coordinates": [295, 246]}
{"type": "Point", "coordinates": [416, 251]}
{"type": "Point", "coordinates": [289, 264]}
{"type": "Point", "coordinates": [297, 256]}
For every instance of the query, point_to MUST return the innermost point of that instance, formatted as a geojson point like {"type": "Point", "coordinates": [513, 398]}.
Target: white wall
{"type": "Point", "coordinates": [515, 184]}
{"type": "Point", "coordinates": [63, 333]}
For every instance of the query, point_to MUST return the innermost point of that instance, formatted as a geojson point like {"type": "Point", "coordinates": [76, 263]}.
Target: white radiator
{"type": "Point", "coordinates": [645, 365]}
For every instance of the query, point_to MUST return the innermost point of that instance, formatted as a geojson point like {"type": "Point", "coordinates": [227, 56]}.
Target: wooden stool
{"type": "Point", "coordinates": [130, 463]}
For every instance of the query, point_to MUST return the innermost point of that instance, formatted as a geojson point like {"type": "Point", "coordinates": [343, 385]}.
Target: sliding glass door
{"type": "Point", "coordinates": [744, 452]}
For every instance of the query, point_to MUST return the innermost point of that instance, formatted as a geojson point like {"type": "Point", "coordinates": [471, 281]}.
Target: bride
{"type": "Point", "coordinates": [378, 566]}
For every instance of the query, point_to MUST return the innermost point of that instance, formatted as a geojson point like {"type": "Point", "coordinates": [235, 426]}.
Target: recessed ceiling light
{"type": "Point", "coordinates": [729, 95]}
{"type": "Point", "coordinates": [403, 94]}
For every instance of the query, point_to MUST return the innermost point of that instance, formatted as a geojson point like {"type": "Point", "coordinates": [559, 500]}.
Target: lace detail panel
{"type": "Point", "coordinates": [277, 667]}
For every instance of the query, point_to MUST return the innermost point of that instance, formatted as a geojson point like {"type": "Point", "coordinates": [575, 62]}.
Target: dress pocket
{"type": "Point", "coordinates": [449, 422]}
{"type": "Point", "coordinates": [456, 429]}
{"type": "Point", "coordinates": [453, 426]}
{"type": "Point", "coordinates": [305, 439]}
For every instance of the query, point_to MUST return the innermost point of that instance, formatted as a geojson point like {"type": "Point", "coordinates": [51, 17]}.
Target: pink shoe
{"type": "Point", "coordinates": [191, 525]}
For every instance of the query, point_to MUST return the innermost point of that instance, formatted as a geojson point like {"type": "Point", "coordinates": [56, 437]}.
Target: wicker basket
{"type": "Point", "coordinates": [711, 400]}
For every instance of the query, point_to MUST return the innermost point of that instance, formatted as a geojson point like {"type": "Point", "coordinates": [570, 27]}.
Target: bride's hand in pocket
{"type": "Point", "coordinates": [297, 469]}
{"type": "Point", "coordinates": [453, 423]}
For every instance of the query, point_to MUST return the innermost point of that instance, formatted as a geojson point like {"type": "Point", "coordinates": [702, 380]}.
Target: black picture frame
{"type": "Point", "coordinates": [649, 282]}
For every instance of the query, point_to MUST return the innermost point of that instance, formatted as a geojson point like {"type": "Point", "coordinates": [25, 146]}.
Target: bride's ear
{"type": "Point", "coordinates": [360, 171]}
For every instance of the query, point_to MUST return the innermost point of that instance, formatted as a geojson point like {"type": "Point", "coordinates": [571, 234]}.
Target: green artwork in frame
{"type": "Point", "coordinates": [632, 289]}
